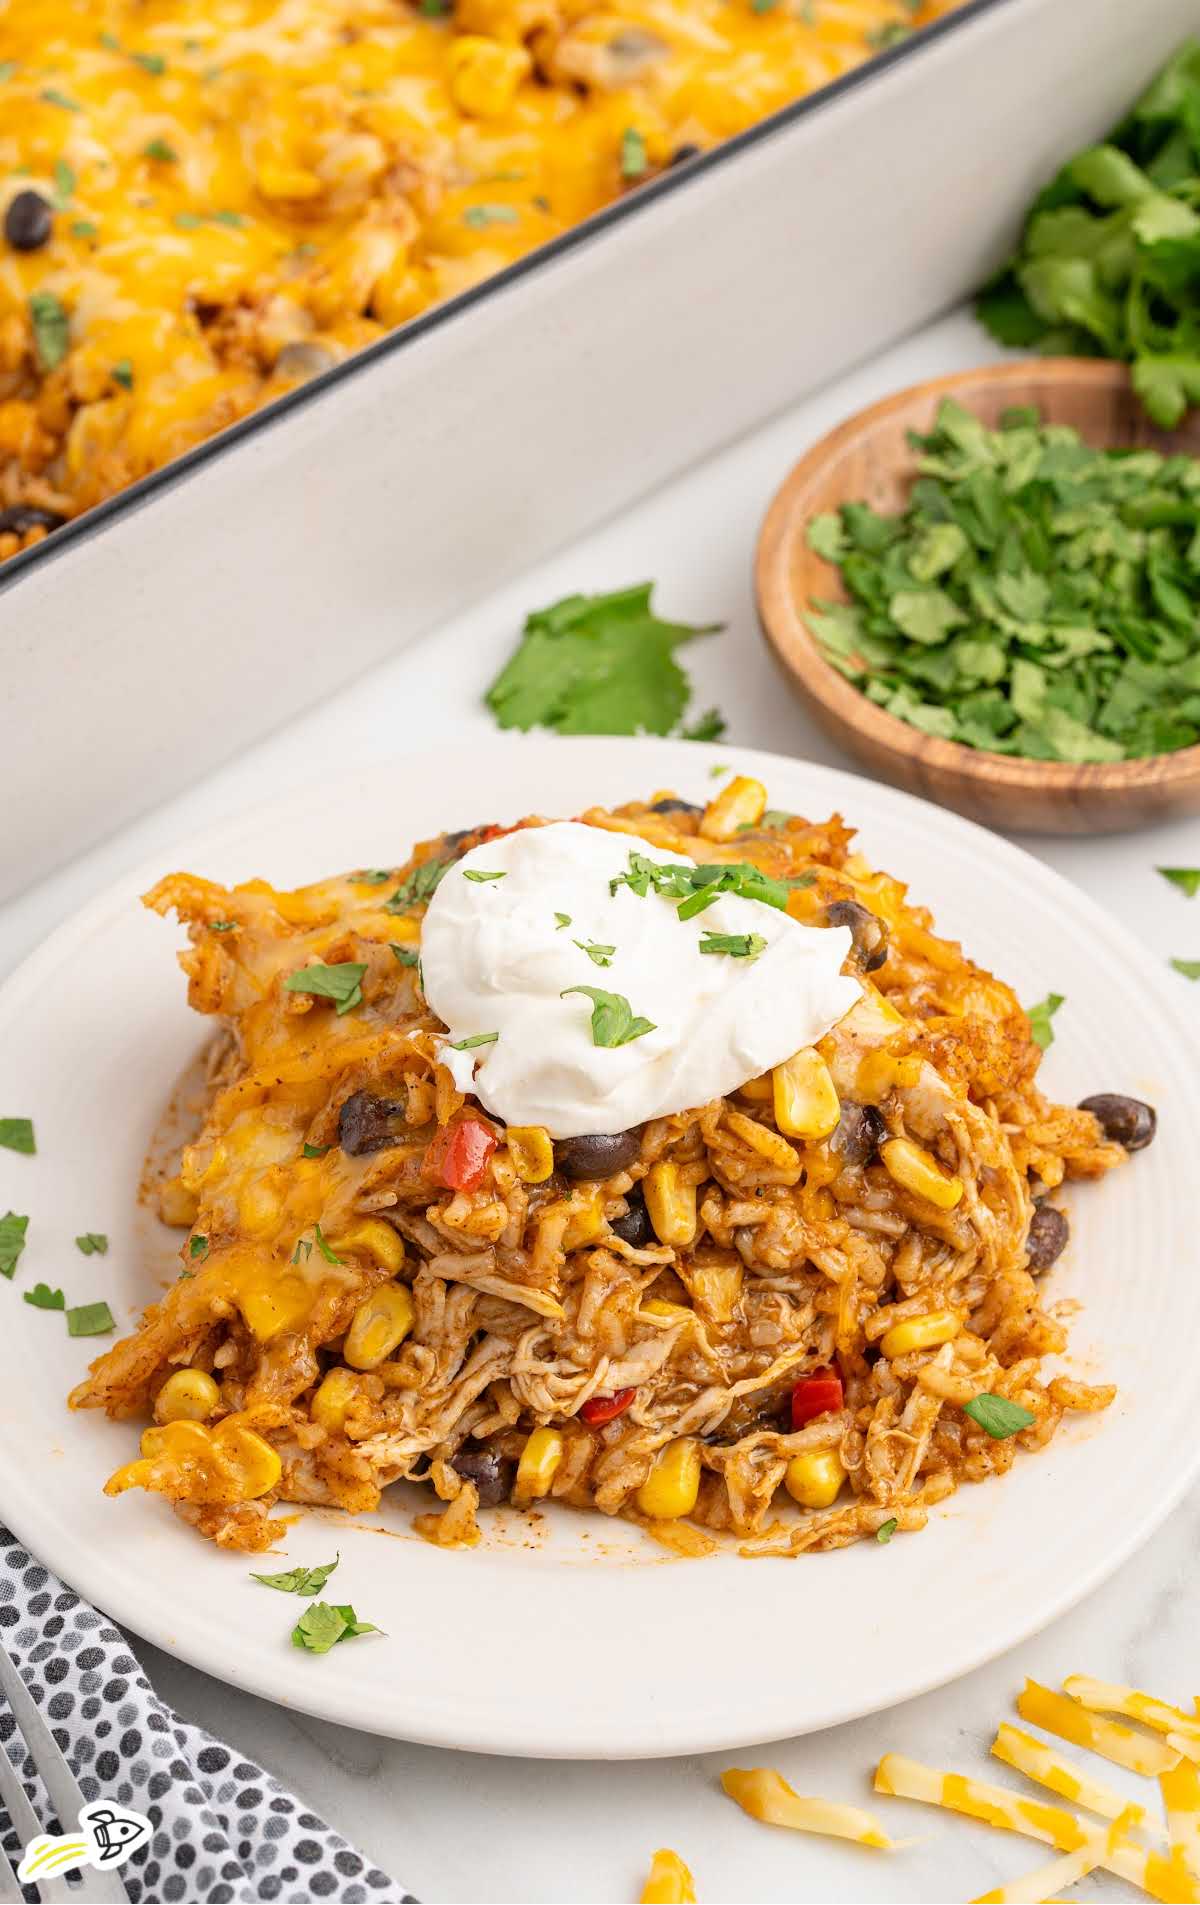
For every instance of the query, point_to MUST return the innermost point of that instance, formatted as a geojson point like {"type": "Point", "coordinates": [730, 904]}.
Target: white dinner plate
{"type": "Point", "coordinates": [567, 1634]}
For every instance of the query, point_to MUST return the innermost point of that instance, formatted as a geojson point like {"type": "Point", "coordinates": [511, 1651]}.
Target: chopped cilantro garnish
{"type": "Point", "coordinates": [53, 97]}
{"type": "Point", "coordinates": [716, 770]}
{"type": "Point", "coordinates": [341, 983]}
{"type": "Point", "coordinates": [698, 886]}
{"type": "Point", "coordinates": [299, 1580]}
{"type": "Point", "coordinates": [476, 874]}
{"type": "Point", "coordinates": [434, 9]}
{"type": "Point", "coordinates": [634, 161]}
{"type": "Point", "coordinates": [160, 150]}
{"type": "Point", "coordinates": [596, 664]}
{"type": "Point", "coordinates": [43, 1297]}
{"type": "Point", "coordinates": [406, 955]}
{"type": "Point", "coordinates": [1190, 968]}
{"type": "Point", "coordinates": [84, 228]}
{"type": "Point", "coordinates": [323, 1247]}
{"type": "Point", "coordinates": [90, 1319]}
{"type": "Point", "coordinates": [598, 954]}
{"type": "Point", "coordinates": [315, 1150]}
{"type": "Point", "coordinates": [150, 62]}
{"type": "Point", "coordinates": [187, 221]}
{"type": "Point", "coordinates": [1187, 879]}
{"type": "Point", "coordinates": [737, 945]}
{"type": "Point", "coordinates": [1000, 1417]}
{"type": "Point", "coordinates": [93, 1243]}
{"type": "Point", "coordinates": [1040, 1016]}
{"type": "Point", "coordinates": [419, 887]}
{"type": "Point", "coordinates": [763, 6]}
{"type": "Point", "coordinates": [64, 184]}
{"type": "Point", "coordinates": [16, 1134]}
{"type": "Point", "coordinates": [221, 925]}
{"type": "Point", "coordinates": [469, 1044]}
{"type": "Point", "coordinates": [303, 1250]}
{"type": "Point", "coordinates": [122, 373]}
{"type": "Point", "coordinates": [893, 33]}
{"type": "Point", "coordinates": [774, 818]}
{"type": "Point", "coordinates": [321, 1626]}
{"type": "Point", "coordinates": [51, 328]}
{"type": "Point", "coordinates": [886, 1530]}
{"type": "Point", "coordinates": [12, 1241]}
{"type": "Point", "coordinates": [7, 69]}
{"type": "Point", "coordinates": [371, 876]}
{"type": "Point", "coordinates": [110, 42]}
{"type": "Point", "coordinates": [478, 217]}
{"type": "Point", "coordinates": [197, 1247]}
{"type": "Point", "coordinates": [564, 919]}
{"type": "Point", "coordinates": [225, 217]}
{"type": "Point", "coordinates": [613, 1021]}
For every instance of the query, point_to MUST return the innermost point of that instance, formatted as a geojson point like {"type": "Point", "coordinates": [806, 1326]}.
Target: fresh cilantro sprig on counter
{"type": "Point", "coordinates": [1109, 260]}
{"type": "Point", "coordinates": [1040, 1015]}
{"type": "Point", "coordinates": [1035, 597]}
{"type": "Point", "coordinates": [599, 664]}
{"type": "Point", "coordinates": [613, 1019]}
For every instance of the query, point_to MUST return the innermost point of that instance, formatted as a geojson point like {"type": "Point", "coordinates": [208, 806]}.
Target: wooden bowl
{"type": "Point", "coordinates": [868, 459]}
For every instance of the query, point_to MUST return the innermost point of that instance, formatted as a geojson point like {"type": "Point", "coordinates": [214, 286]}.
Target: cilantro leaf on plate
{"type": "Point", "coordinates": [16, 1134]}
{"type": "Point", "coordinates": [299, 1580]}
{"type": "Point", "coordinates": [12, 1241]}
{"type": "Point", "coordinates": [322, 1626]}
{"type": "Point", "coordinates": [42, 1297]}
{"type": "Point", "coordinates": [1040, 1016]}
{"type": "Point", "coordinates": [1187, 879]}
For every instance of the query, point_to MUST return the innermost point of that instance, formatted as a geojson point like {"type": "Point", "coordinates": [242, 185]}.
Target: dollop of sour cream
{"type": "Point", "coordinates": [496, 957]}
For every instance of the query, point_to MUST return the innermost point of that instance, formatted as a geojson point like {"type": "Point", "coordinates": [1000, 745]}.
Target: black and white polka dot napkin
{"type": "Point", "coordinates": [225, 1832]}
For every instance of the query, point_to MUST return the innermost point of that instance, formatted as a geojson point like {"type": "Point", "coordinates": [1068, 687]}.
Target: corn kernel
{"type": "Point", "coordinates": [670, 1882]}
{"type": "Point", "coordinates": [918, 1171]}
{"type": "Point", "coordinates": [258, 1466]}
{"type": "Point", "coordinates": [921, 1332]}
{"type": "Point", "coordinates": [177, 1205]}
{"type": "Point", "coordinates": [531, 1151]}
{"type": "Point", "coordinates": [673, 1312]}
{"type": "Point", "coordinates": [806, 1103]}
{"type": "Point", "coordinates": [189, 1395]}
{"type": "Point", "coordinates": [381, 1322]}
{"type": "Point", "coordinates": [671, 1488]}
{"type": "Point", "coordinates": [539, 1464]}
{"type": "Point", "coordinates": [881, 1072]}
{"type": "Point", "coordinates": [332, 1400]}
{"type": "Point", "coordinates": [671, 1204]}
{"type": "Point", "coordinates": [272, 1307]}
{"type": "Point", "coordinates": [177, 1439]}
{"type": "Point", "coordinates": [758, 1090]}
{"type": "Point", "coordinates": [484, 74]}
{"type": "Point", "coordinates": [377, 1239]}
{"type": "Point", "coordinates": [586, 1224]}
{"type": "Point", "coordinates": [740, 803]}
{"type": "Point", "coordinates": [815, 1478]}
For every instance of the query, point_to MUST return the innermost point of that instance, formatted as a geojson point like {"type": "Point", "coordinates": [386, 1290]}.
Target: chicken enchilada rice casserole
{"type": "Point", "coordinates": [664, 1162]}
{"type": "Point", "coordinates": [204, 205]}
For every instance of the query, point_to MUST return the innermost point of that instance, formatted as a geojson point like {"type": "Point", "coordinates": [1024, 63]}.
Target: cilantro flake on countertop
{"type": "Point", "coordinates": [1187, 879]}
{"type": "Point", "coordinates": [12, 1241]}
{"type": "Point", "coordinates": [341, 983]}
{"type": "Point", "coordinates": [16, 1134]}
{"type": "Point", "coordinates": [93, 1243]}
{"type": "Point", "coordinates": [299, 1580]}
{"type": "Point", "coordinates": [1189, 968]}
{"type": "Point", "coordinates": [322, 1626]}
{"type": "Point", "coordinates": [613, 1020]}
{"type": "Point", "coordinates": [1040, 1015]}
{"type": "Point", "coordinates": [1109, 260]}
{"type": "Point", "coordinates": [42, 1297]}
{"type": "Point", "coordinates": [1035, 597]}
{"type": "Point", "coordinates": [90, 1319]}
{"type": "Point", "coordinates": [596, 664]}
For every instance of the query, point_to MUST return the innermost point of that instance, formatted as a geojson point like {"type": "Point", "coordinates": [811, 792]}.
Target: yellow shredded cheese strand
{"type": "Point", "coordinates": [1120, 1744]}
{"type": "Point", "coordinates": [1103, 1696]}
{"type": "Point", "coordinates": [1181, 1802]}
{"type": "Point", "coordinates": [1038, 1761]}
{"type": "Point", "coordinates": [670, 1882]}
{"type": "Point", "coordinates": [1164, 1878]}
{"type": "Point", "coordinates": [1042, 1884]}
{"type": "Point", "coordinates": [766, 1795]}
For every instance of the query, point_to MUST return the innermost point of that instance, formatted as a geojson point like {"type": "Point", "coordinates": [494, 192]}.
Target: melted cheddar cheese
{"type": "Point", "coordinates": [245, 191]}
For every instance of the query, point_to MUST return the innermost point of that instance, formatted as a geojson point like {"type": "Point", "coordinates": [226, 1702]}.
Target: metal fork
{"type": "Point", "coordinates": [97, 1887]}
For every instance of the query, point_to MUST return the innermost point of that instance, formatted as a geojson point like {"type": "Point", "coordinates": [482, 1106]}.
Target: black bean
{"type": "Point", "coordinates": [868, 932]}
{"type": "Point", "coordinates": [365, 1123]}
{"type": "Point", "coordinates": [673, 806]}
{"type": "Point", "coordinates": [682, 154]}
{"type": "Point", "coordinates": [28, 221]}
{"type": "Point", "coordinates": [858, 1134]}
{"type": "Point", "coordinates": [22, 517]}
{"type": "Point", "coordinates": [597, 1154]}
{"type": "Point", "coordinates": [1126, 1121]}
{"type": "Point", "coordinates": [634, 1228]}
{"type": "Point", "coordinates": [1047, 1237]}
{"type": "Point", "coordinates": [492, 1474]}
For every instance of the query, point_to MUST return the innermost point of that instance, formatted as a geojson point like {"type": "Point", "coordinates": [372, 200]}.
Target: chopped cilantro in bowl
{"type": "Point", "coordinates": [1036, 597]}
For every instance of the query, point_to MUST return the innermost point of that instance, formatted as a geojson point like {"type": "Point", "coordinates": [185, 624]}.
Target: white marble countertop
{"type": "Point", "coordinates": [457, 1827]}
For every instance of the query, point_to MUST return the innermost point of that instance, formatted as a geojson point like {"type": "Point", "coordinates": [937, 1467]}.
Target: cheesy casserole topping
{"type": "Point", "coordinates": [206, 202]}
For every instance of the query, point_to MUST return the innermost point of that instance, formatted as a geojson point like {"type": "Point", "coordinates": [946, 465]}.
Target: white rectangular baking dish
{"type": "Point", "coordinates": [158, 635]}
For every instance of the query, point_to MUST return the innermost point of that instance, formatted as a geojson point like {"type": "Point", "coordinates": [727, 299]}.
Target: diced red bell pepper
{"type": "Point", "coordinates": [458, 1156]}
{"type": "Point", "coordinates": [816, 1395]}
{"type": "Point", "coordinates": [605, 1408]}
